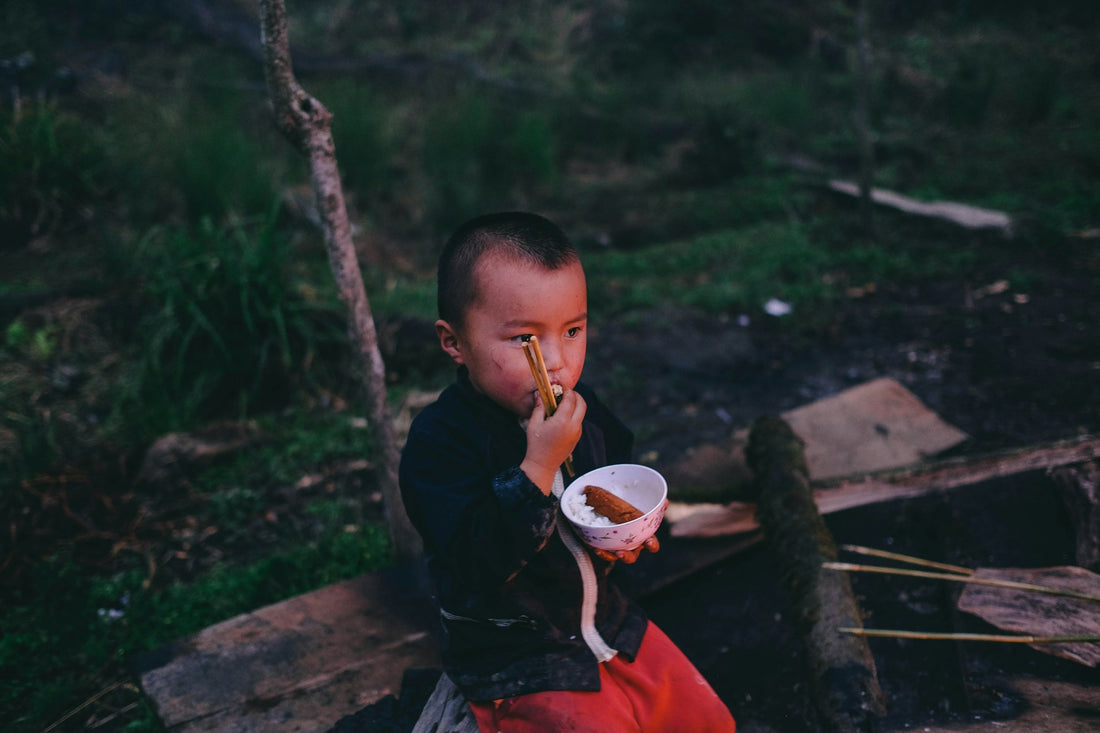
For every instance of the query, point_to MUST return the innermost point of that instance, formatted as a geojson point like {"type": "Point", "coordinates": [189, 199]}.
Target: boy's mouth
{"type": "Point", "coordinates": [558, 391]}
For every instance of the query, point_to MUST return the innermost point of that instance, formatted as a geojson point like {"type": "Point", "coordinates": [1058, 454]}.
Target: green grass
{"type": "Point", "coordinates": [68, 632]}
{"type": "Point", "coordinates": [722, 272]}
{"type": "Point", "coordinates": [298, 441]}
{"type": "Point", "coordinates": [228, 326]}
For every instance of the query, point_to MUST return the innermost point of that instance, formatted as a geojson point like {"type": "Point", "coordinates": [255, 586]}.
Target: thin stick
{"type": "Point", "coordinates": [1024, 639]}
{"type": "Point", "coordinates": [961, 579]}
{"type": "Point", "coordinates": [907, 558]}
{"type": "Point", "coordinates": [86, 703]}
{"type": "Point", "coordinates": [542, 380]}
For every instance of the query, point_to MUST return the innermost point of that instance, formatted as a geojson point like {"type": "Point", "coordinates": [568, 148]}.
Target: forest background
{"type": "Point", "coordinates": [162, 271]}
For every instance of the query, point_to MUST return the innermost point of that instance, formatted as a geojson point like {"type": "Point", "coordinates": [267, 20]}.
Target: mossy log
{"type": "Point", "coordinates": [841, 670]}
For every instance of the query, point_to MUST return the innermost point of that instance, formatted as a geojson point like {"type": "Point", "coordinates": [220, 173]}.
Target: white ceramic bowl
{"type": "Point", "coordinates": [643, 487]}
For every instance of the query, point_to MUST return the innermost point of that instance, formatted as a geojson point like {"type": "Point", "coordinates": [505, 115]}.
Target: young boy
{"type": "Point", "coordinates": [534, 634]}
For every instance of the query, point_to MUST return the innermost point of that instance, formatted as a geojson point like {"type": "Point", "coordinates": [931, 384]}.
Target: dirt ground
{"type": "Point", "coordinates": [732, 620]}
{"type": "Point", "coordinates": [1008, 367]}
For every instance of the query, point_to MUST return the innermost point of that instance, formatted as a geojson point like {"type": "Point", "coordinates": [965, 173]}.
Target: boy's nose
{"type": "Point", "coordinates": [552, 354]}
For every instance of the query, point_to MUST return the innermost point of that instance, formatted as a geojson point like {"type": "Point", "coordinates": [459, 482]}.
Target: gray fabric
{"type": "Point", "coordinates": [446, 711]}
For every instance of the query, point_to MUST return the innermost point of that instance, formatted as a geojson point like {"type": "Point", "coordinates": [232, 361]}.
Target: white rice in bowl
{"type": "Point", "coordinates": [577, 508]}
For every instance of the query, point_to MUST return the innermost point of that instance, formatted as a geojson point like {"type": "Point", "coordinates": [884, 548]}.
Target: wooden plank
{"type": "Point", "coordinates": [716, 520]}
{"type": "Point", "coordinates": [1041, 614]}
{"type": "Point", "coordinates": [298, 665]}
{"type": "Point", "coordinates": [870, 427]}
{"type": "Point", "coordinates": [964, 215]}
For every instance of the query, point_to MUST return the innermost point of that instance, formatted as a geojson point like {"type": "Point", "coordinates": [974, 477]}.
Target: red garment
{"type": "Point", "coordinates": [660, 692]}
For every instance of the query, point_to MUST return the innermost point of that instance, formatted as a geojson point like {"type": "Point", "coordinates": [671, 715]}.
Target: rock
{"type": "Point", "coordinates": [175, 456]}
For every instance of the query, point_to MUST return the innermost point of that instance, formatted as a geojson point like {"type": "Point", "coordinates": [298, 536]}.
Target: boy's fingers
{"type": "Point", "coordinates": [627, 556]}
{"type": "Point", "coordinates": [605, 555]}
{"type": "Point", "coordinates": [573, 404]}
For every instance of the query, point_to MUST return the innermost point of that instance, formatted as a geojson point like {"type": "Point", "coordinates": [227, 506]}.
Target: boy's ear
{"type": "Point", "coordinates": [448, 340]}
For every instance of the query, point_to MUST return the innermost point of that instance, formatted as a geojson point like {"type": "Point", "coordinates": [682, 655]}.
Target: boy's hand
{"type": "Point", "coordinates": [550, 440]}
{"type": "Point", "coordinates": [629, 556]}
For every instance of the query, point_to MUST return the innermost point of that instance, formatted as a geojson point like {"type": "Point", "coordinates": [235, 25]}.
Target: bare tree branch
{"type": "Point", "coordinates": [308, 125]}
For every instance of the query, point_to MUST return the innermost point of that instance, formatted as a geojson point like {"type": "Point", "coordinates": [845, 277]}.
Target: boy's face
{"type": "Point", "coordinates": [515, 300]}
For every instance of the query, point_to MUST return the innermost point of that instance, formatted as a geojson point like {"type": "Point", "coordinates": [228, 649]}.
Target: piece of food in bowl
{"type": "Point", "coordinates": [607, 504]}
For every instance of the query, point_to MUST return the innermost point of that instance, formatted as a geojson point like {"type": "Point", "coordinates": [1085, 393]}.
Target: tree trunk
{"type": "Point", "coordinates": [308, 125]}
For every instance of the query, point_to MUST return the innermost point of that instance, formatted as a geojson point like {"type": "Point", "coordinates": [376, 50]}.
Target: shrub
{"type": "Point", "coordinates": [476, 158]}
{"type": "Point", "coordinates": [51, 166]}
{"type": "Point", "coordinates": [228, 331]}
{"type": "Point", "coordinates": [359, 128]}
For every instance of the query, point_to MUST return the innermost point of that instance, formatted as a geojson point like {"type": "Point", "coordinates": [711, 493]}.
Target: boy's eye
{"type": "Point", "coordinates": [573, 332]}
{"type": "Point", "coordinates": [522, 338]}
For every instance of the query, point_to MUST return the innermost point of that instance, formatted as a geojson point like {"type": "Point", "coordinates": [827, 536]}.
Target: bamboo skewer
{"type": "Point", "coordinates": [907, 558]}
{"type": "Point", "coordinates": [542, 380]}
{"type": "Point", "coordinates": [1024, 639]}
{"type": "Point", "coordinates": [961, 575]}
{"type": "Point", "coordinates": [852, 567]}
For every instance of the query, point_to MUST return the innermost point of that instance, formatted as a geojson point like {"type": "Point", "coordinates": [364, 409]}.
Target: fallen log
{"type": "Point", "coordinates": [843, 680]}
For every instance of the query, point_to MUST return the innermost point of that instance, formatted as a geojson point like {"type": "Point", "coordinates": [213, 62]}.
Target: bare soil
{"type": "Point", "coordinates": [1009, 367]}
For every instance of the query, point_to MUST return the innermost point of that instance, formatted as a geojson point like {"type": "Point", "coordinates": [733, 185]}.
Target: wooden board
{"type": "Point", "coordinates": [716, 520]}
{"type": "Point", "coordinates": [870, 427]}
{"type": "Point", "coordinates": [298, 665]}
{"type": "Point", "coordinates": [1041, 614]}
{"type": "Point", "coordinates": [874, 426]}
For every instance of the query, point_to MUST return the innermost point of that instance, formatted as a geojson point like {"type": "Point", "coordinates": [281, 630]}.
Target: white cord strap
{"type": "Point", "coordinates": [591, 636]}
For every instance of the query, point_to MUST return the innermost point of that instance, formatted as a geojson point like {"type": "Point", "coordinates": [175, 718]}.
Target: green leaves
{"type": "Point", "coordinates": [228, 331]}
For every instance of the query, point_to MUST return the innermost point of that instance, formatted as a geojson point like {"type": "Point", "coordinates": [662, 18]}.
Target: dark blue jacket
{"type": "Point", "coordinates": [509, 591]}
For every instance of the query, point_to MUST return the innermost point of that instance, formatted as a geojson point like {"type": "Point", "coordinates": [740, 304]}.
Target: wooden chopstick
{"type": "Point", "coordinates": [542, 380]}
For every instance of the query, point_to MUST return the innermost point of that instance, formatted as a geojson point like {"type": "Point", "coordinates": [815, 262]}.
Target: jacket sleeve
{"type": "Point", "coordinates": [483, 527]}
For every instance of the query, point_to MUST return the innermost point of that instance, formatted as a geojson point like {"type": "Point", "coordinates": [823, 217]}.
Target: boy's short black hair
{"type": "Point", "coordinates": [528, 237]}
